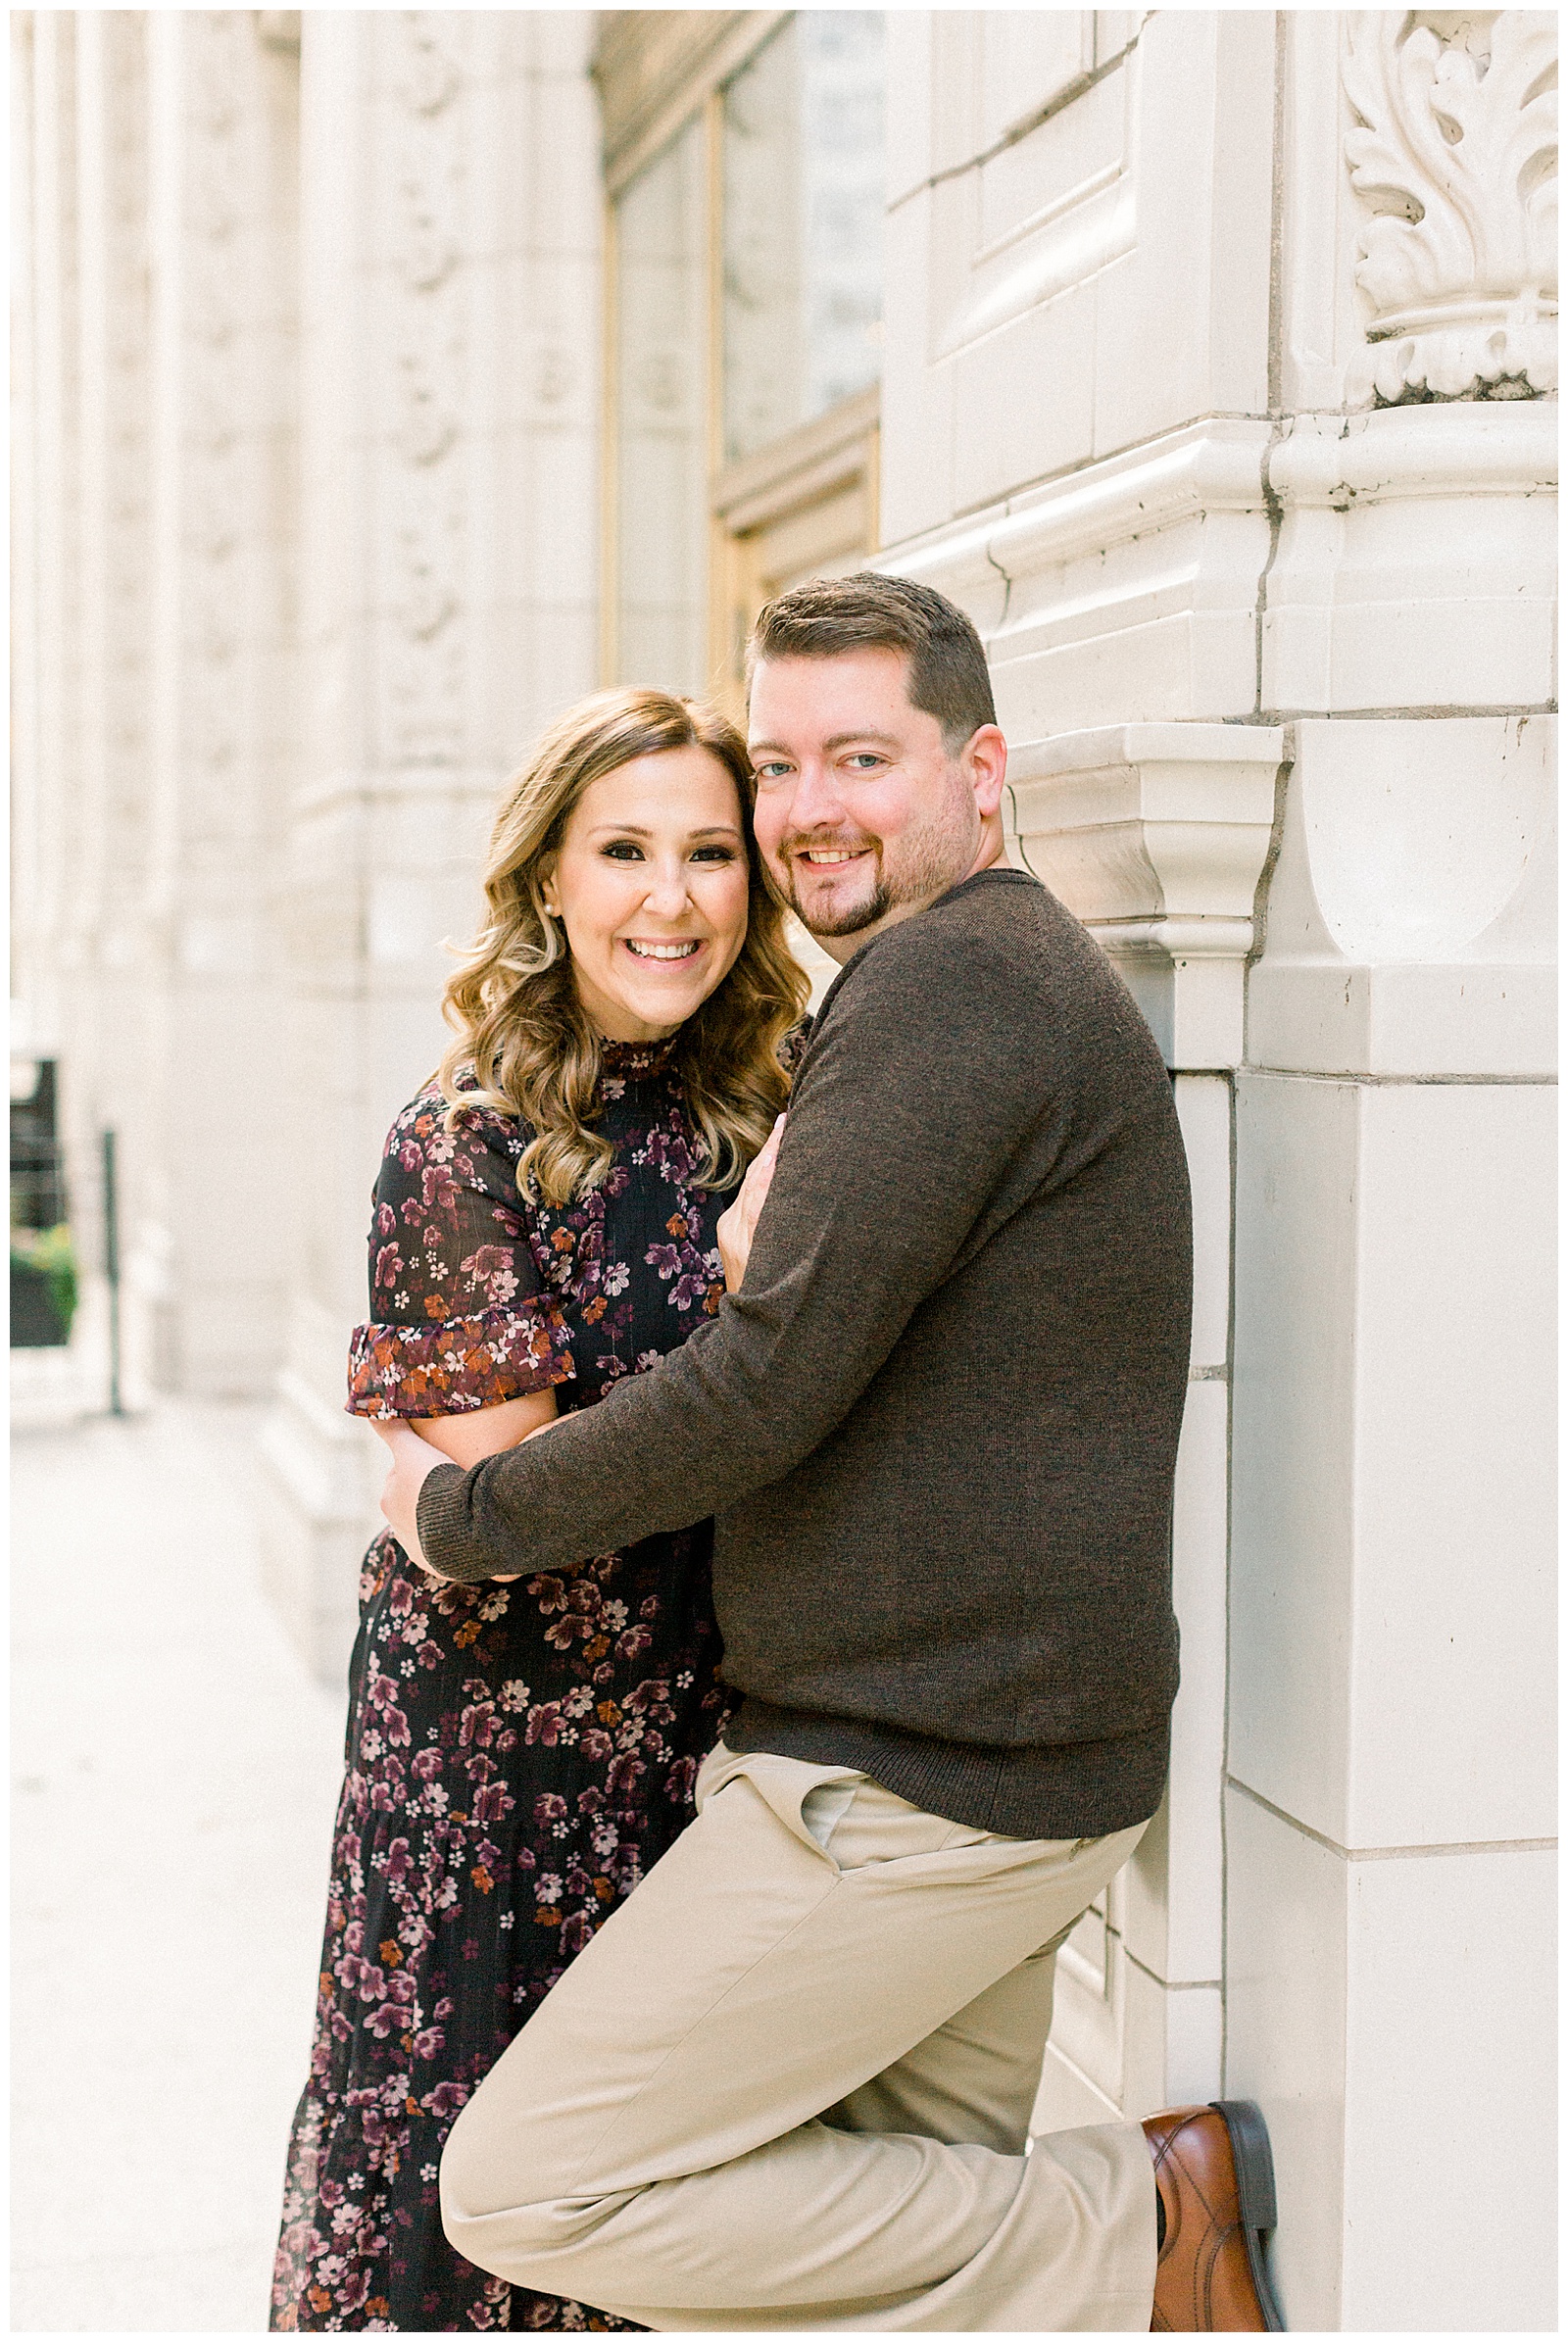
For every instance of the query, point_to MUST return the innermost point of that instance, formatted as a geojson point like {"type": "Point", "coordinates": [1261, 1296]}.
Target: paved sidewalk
{"type": "Point", "coordinates": [175, 1769]}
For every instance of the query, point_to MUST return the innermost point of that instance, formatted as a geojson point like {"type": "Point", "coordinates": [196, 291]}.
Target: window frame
{"type": "Point", "coordinates": [656, 72]}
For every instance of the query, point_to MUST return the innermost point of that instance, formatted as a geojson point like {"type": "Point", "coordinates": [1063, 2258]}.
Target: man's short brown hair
{"type": "Point", "coordinates": [947, 676]}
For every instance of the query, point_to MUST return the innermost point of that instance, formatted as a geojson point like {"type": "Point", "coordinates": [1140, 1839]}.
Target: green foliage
{"type": "Point", "coordinates": [51, 1252]}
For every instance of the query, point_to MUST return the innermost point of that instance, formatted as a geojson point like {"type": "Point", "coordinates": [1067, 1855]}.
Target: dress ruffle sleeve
{"type": "Point", "coordinates": [457, 1319]}
{"type": "Point", "coordinates": [461, 1364]}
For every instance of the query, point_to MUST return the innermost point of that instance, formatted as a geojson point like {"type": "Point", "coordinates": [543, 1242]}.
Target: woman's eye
{"type": "Point", "coordinates": [713, 854]}
{"type": "Point", "coordinates": [623, 850]}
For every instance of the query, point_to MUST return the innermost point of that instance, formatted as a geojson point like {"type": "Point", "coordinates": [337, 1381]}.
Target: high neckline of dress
{"type": "Point", "coordinates": [631, 1058]}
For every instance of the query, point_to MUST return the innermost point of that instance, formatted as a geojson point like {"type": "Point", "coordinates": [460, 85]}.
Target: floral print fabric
{"type": "Point", "coordinates": [517, 1754]}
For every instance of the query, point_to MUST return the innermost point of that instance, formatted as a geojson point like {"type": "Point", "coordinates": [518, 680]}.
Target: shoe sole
{"type": "Point", "coordinates": [1253, 2158]}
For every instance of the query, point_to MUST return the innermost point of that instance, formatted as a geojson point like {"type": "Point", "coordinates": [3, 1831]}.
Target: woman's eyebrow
{"type": "Point", "coordinates": [635, 829]}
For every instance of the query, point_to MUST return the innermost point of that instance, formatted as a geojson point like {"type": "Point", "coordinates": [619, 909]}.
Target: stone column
{"type": "Point", "coordinates": [1391, 1810]}
{"type": "Point", "coordinates": [152, 655]}
{"type": "Point", "coordinates": [80, 616]}
{"type": "Point", "coordinates": [450, 232]}
{"type": "Point", "coordinates": [221, 234]}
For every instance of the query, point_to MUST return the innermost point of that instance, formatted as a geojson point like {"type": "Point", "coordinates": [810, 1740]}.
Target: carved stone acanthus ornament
{"type": "Point", "coordinates": [1454, 154]}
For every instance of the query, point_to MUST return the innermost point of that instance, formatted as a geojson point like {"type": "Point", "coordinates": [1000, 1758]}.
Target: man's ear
{"type": "Point", "coordinates": [985, 768]}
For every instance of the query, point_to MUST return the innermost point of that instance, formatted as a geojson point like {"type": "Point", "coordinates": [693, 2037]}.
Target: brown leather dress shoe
{"type": "Point", "coordinates": [1215, 2177]}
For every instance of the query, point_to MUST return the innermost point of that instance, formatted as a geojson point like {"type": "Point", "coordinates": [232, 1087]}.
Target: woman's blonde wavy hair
{"type": "Point", "coordinates": [520, 1033]}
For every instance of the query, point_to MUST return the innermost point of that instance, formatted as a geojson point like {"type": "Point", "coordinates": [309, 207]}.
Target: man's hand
{"type": "Point", "coordinates": [412, 1461]}
{"type": "Point", "coordinates": [737, 1226]}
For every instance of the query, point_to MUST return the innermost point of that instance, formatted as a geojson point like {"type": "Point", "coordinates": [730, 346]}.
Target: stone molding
{"type": "Point", "coordinates": [1156, 836]}
{"type": "Point", "coordinates": [1210, 465]}
{"type": "Point", "coordinates": [204, 460]}
{"type": "Point", "coordinates": [1332, 460]}
{"type": "Point", "coordinates": [1416, 561]}
{"type": "Point", "coordinates": [1455, 154]}
{"type": "Point", "coordinates": [1127, 590]}
{"type": "Point", "coordinates": [425, 517]}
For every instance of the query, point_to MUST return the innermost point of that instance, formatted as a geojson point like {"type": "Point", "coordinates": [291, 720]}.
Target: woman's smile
{"type": "Point", "coordinates": [650, 951]}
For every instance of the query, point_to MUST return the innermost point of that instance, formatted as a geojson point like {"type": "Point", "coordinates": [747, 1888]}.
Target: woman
{"type": "Point", "coordinates": [520, 1755]}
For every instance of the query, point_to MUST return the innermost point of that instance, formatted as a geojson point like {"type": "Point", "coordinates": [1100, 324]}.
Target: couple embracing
{"type": "Point", "coordinates": [771, 1654]}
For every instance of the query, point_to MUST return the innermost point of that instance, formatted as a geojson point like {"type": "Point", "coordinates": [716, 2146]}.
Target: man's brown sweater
{"type": "Point", "coordinates": [937, 1427]}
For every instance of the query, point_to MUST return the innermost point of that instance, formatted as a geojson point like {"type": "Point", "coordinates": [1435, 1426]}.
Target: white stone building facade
{"type": "Point", "coordinates": [387, 380]}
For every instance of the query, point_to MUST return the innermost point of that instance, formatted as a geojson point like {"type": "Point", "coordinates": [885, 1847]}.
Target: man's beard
{"type": "Point", "coordinates": [935, 861]}
{"type": "Point", "coordinates": [854, 916]}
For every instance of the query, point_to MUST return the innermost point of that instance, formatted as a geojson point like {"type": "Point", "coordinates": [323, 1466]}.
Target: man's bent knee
{"type": "Point", "coordinates": [498, 2206]}
{"type": "Point", "coordinates": [489, 2171]}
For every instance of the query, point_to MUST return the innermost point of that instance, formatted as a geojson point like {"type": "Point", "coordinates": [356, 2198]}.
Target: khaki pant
{"type": "Point", "coordinates": [788, 2085]}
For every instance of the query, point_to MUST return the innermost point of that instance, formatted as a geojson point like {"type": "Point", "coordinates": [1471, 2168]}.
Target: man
{"type": "Point", "coordinates": [788, 2085]}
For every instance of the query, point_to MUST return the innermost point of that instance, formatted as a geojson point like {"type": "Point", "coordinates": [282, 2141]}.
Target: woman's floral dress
{"type": "Point", "coordinates": [520, 1755]}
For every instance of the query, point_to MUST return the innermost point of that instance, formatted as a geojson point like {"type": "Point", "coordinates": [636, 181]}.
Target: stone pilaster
{"type": "Point", "coordinates": [1390, 1804]}
{"type": "Point", "coordinates": [450, 516]}
{"type": "Point", "coordinates": [1157, 836]}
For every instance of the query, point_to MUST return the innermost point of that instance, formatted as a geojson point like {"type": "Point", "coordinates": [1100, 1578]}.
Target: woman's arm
{"type": "Point", "coordinates": [411, 1466]}
{"type": "Point", "coordinates": [462, 1348]}
{"type": "Point", "coordinates": [468, 1439]}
